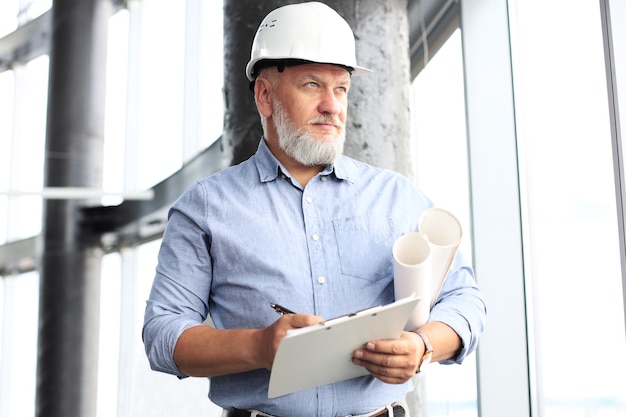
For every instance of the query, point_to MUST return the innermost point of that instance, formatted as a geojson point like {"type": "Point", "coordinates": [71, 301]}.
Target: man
{"type": "Point", "coordinates": [300, 225]}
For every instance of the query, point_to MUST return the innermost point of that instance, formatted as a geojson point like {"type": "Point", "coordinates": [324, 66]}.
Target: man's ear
{"type": "Point", "coordinates": [262, 96]}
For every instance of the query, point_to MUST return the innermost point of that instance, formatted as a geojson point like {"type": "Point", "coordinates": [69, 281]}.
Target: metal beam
{"type": "Point", "coordinates": [27, 42]}
{"type": "Point", "coordinates": [18, 257]}
{"type": "Point", "coordinates": [136, 221]}
{"type": "Point", "coordinates": [431, 22]}
{"type": "Point", "coordinates": [615, 64]}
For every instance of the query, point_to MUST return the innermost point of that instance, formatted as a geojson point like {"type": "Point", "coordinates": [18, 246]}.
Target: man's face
{"type": "Point", "coordinates": [309, 112]}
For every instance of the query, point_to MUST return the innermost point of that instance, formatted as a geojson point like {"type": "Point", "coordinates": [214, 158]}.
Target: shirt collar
{"type": "Point", "coordinates": [270, 168]}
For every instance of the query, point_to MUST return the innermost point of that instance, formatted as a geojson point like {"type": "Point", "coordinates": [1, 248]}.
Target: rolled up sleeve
{"type": "Point", "coordinates": [461, 306]}
{"type": "Point", "coordinates": [179, 296]}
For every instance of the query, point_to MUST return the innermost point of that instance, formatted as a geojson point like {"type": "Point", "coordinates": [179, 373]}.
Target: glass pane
{"type": "Point", "coordinates": [7, 89]}
{"type": "Point", "coordinates": [160, 91]}
{"type": "Point", "coordinates": [18, 344]}
{"type": "Point", "coordinates": [438, 117]}
{"type": "Point", "coordinates": [212, 72]}
{"type": "Point", "coordinates": [438, 123]}
{"type": "Point", "coordinates": [571, 242]}
{"type": "Point", "coordinates": [27, 148]}
{"type": "Point", "coordinates": [8, 16]}
{"type": "Point", "coordinates": [108, 356]}
{"type": "Point", "coordinates": [20, 12]}
{"type": "Point", "coordinates": [31, 9]}
{"type": "Point", "coordinates": [115, 110]}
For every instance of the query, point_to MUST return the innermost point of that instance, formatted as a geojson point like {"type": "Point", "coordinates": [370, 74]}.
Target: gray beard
{"type": "Point", "coordinates": [301, 145]}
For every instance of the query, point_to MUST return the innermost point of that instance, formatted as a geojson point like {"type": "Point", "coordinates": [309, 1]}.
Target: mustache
{"type": "Point", "coordinates": [326, 119]}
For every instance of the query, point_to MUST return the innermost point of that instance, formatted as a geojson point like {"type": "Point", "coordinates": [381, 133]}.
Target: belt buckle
{"type": "Point", "coordinates": [397, 410]}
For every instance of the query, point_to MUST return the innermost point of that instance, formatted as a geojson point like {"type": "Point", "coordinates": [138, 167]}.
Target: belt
{"type": "Point", "coordinates": [398, 411]}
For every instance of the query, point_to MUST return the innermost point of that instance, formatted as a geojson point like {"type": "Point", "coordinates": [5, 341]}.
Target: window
{"type": "Point", "coordinates": [23, 138]}
{"type": "Point", "coordinates": [22, 141]}
{"type": "Point", "coordinates": [7, 88]}
{"type": "Point", "coordinates": [571, 233]}
{"type": "Point", "coordinates": [16, 12]}
{"type": "Point", "coordinates": [439, 132]}
{"type": "Point", "coordinates": [438, 121]}
{"type": "Point", "coordinates": [18, 344]}
{"type": "Point", "coordinates": [164, 105]}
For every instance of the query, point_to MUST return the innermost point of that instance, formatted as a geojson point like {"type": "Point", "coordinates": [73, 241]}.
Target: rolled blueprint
{"type": "Point", "coordinates": [412, 274]}
{"type": "Point", "coordinates": [444, 236]}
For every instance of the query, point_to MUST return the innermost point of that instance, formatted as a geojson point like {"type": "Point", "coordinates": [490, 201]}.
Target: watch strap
{"type": "Point", "coordinates": [422, 335]}
{"type": "Point", "coordinates": [428, 352]}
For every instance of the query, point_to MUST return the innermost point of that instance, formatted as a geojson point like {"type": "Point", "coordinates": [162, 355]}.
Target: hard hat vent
{"type": "Point", "coordinates": [266, 25]}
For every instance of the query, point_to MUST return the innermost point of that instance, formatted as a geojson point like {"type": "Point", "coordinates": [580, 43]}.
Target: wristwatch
{"type": "Point", "coordinates": [428, 353]}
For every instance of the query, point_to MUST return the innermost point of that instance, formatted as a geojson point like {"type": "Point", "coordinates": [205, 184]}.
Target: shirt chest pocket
{"type": "Point", "coordinates": [364, 247]}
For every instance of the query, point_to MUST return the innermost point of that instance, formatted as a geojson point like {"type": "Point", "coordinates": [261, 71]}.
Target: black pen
{"type": "Point", "coordinates": [280, 309]}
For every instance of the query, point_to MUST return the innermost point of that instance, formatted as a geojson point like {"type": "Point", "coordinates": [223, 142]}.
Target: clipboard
{"type": "Point", "coordinates": [322, 354]}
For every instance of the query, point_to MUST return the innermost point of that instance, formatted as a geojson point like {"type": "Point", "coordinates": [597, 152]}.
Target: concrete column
{"type": "Point", "coordinates": [378, 130]}
{"type": "Point", "coordinates": [70, 261]}
{"type": "Point", "coordinates": [242, 125]}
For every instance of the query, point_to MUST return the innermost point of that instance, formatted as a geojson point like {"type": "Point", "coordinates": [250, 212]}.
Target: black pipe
{"type": "Point", "coordinates": [70, 260]}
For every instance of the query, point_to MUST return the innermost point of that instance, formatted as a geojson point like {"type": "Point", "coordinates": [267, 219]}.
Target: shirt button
{"type": "Point", "coordinates": [309, 200]}
{"type": "Point", "coordinates": [323, 179]}
{"type": "Point", "coordinates": [321, 280]}
{"type": "Point", "coordinates": [315, 237]}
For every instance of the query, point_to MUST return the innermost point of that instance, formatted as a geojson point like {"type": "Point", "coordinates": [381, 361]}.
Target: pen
{"type": "Point", "coordinates": [280, 309]}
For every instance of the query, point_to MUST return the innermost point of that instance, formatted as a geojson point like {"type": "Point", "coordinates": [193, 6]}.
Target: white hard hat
{"type": "Point", "coordinates": [307, 32]}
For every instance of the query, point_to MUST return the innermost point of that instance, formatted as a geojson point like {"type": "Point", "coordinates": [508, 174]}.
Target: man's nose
{"type": "Point", "coordinates": [330, 103]}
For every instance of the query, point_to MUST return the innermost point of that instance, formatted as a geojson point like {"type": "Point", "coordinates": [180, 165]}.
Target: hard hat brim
{"type": "Point", "coordinates": [254, 68]}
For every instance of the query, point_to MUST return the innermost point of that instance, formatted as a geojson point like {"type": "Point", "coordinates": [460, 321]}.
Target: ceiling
{"type": "Point", "coordinates": [433, 20]}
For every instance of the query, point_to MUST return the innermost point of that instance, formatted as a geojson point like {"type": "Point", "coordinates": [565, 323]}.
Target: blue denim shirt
{"type": "Point", "coordinates": [249, 236]}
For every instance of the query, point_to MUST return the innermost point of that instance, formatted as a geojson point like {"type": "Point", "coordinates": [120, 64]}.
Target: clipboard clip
{"type": "Point", "coordinates": [374, 310]}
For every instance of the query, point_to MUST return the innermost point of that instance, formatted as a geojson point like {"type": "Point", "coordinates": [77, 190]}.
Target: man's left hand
{"type": "Point", "coordinates": [391, 361]}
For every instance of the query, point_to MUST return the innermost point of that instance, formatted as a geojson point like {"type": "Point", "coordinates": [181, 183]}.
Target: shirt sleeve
{"type": "Point", "coordinates": [179, 294]}
{"type": "Point", "coordinates": [460, 305]}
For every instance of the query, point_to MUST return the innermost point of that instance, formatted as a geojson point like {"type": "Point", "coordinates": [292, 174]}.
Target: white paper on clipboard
{"type": "Point", "coordinates": [322, 354]}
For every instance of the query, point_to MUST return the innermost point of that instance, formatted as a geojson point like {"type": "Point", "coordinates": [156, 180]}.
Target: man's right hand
{"type": "Point", "coordinates": [270, 337]}
{"type": "Point", "coordinates": [205, 351]}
